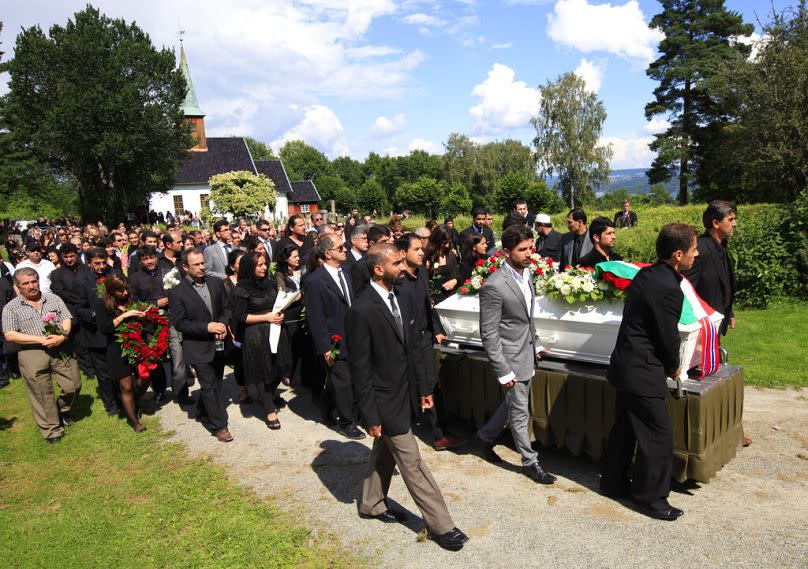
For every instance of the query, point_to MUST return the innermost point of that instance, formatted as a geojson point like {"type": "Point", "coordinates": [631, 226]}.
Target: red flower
{"type": "Point", "coordinates": [464, 290]}
{"type": "Point", "coordinates": [336, 338]}
{"type": "Point", "coordinates": [493, 269]}
{"type": "Point", "coordinates": [480, 262]}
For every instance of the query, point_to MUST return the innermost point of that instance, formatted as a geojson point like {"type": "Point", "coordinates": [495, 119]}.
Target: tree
{"type": "Point", "coordinates": [259, 150]}
{"type": "Point", "coordinates": [459, 160]}
{"type": "Point", "coordinates": [512, 187]}
{"type": "Point", "coordinates": [303, 162]}
{"type": "Point", "coordinates": [699, 42]}
{"type": "Point", "coordinates": [372, 196]}
{"type": "Point", "coordinates": [500, 158]}
{"type": "Point", "coordinates": [96, 101]}
{"type": "Point", "coordinates": [568, 127]}
{"type": "Point", "coordinates": [350, 170]}
{"type": "Point", "coordinates": [456, 201]}
{"type": "Point", "coordinates": [763, 154]}
{"type": "Point", "coordinates": [242, 193]}
{"type": "Point", "coordinates": [419, 163]}
{"type": "Point", "coordinates": [422, 196]}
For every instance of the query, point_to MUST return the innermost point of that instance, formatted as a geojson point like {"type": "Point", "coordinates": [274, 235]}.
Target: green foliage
{"type": "Point", "coordinates": [422, 196]}
{"type": "Point", "coordinates": [456, 201]}
{"type": "Point", "coordinates": [242, 193]}
{"type": "Point", "coordinates": [513, 187]}
{"type": "Point", "coordinates": [95, 100]}
{"type": "Point", "coordinates": [303, 162]}
{"type": "Point", "coordinates": [568, 128]}
{"type": "Point", "coordinates": [351, 171]}
{"type": "Point", "coordinates": [372, 196]}
{"type": "Point", "coordinates": [796, 236]}
{"type": "Point", "coordinates": [259, 150]}
{"type": "Point", "coordinates": [697, 45]}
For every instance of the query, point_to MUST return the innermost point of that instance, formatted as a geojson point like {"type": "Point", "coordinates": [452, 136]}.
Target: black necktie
{"type": "Point", "coordinates": [343, 286]}
{"type": "Point", "coordinates": [396, 313]}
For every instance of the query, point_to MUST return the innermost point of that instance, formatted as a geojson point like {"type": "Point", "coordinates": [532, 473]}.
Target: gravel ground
{"type": "Point", "coordinates": [754, 513]}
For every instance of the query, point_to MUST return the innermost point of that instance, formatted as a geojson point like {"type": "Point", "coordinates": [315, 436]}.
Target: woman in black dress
{"type": "Point", "coordinates": [287, 276]}
{"type": "Point", "coordinates": [233, 354]}
{"type": "Point", "coordinates": [110, 311]}
{"type": "Point", "coordinates": [441, 261]}
{"type": "Point", "coordinates": [473, 249]}
{"type": "Point", "coordinates": [253, 301]}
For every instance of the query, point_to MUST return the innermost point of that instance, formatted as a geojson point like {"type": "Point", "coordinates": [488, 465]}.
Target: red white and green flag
{"type": "Point", "coordinates": [694, 309]}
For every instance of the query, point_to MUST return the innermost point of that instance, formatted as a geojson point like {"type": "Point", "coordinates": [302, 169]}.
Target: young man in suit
{"type": "Point", "coordinates": [576, 243]}
{"type": "Point", "coordinates": [216, 254]}
{"type": "Point", "coordinates": [511, 343]}
{"type": "Point", "coordinates": [645, 354]}
{"type": "Point", "coordinates": [480, 225]}
{"type": "Point", "coordinates": [200, 311]}
{"type": "Point", "coordinates": [712, 274]}
{"type": "Point", "coordinates": [626, 217]}
{"type": "Point", "coordinates": [603, 237]}
{"type": "Point", "coordinates": [390, 386]}
{"type": "Point", "coordinates": [328, 296]}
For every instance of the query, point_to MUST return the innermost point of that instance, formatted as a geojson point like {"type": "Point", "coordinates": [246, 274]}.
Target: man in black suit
{"type": "Point", "coordinates": [576, 243]}
{"type": "Point", "coordinates": [328, 295]}
{"type": "Point", "coordinates": [712, 274]}
{"type": "Point", "coordinates": [83, 293]}
{"type": "Point", "coordinates": [603, 237]}
{"type": "Point", "coordinates": [200, 311]}
{"type": "Point", "coordinates": [625, 218]}
{"type": "Point", "coordinates": [360, 271]}
{"type": "Point", "coordinates": [548, 242]}
{"type": "Point", "coordinates": [646, 353]}
{"type": "Point", "coordinates": [390, 386]}
{"type": "Point", "coordinates": [520, 208]}
{"type": "Point", "coordinates": [358, 245]}
{"type": "Point", "coordinates": [480, 216]}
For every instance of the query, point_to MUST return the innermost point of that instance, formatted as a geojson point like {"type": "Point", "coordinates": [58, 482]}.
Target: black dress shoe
{"type": "Point", "coordinates": [388, 517]}
{"type": "Point", "coordinates": [352, 432]}
{"type": "Point", "coordinates": [54, 440]}
{"type": "Point", "coordinates": [67, 420]}
{"type": "Point", "coordinates": [452, 540]}
{"type": "Point", "coordinates": [537, 474]}
{"type": "Point", "coordinates": [664, 511]}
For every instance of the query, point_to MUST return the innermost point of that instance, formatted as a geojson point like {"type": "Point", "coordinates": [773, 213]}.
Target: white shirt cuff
{"type": "Point", "coordinates": [507, 378]}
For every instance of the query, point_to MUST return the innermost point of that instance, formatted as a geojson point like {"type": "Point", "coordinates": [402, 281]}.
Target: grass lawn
{"type": "Point", "coordinates": [106, 497]}
{"type": "Point", "coordinates": [771, 345]}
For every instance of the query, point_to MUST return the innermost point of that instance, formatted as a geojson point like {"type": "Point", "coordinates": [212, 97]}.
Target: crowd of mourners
{"type": "Point", "coordinates": [67, 287]}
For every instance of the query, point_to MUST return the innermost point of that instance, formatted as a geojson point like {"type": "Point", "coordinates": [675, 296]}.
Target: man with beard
{"type": "Point", "coordinates": [603, 237]}
{"type": "Point", "coordinates": [389, 385]}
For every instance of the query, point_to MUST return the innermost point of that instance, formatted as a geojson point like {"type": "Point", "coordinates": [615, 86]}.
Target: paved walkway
{"type": "Point", "coordinates": [753, 514]}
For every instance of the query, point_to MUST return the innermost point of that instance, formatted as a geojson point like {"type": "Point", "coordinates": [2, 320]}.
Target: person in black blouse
{"type": "Point", "coordinates": [441, 260]}
{"type": "Point", "coordinates": [473, 249]}
{"type": "Point", "coordinates": [287, 276]}
{"type": "Point", "coordinates": [233, 354]}
{"type": "Point", "coordinates": [110, 311]}
{"type": "Point", "coordinates": [253, 300]}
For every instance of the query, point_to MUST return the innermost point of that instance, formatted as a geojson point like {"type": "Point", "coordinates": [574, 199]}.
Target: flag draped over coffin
{"type": "Point", "coordinates": [694, 309]}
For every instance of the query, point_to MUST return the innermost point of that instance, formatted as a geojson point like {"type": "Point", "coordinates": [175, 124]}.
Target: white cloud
{"type": "Point", "coordinates": [591, 73]}
{"type": "Point", "coordinates": [425, 145]}
{"type": "Point", "coordinates": [506, 45]}
{"type": "Point", "coordinates": [620, 29]}
{"type": "Point", "coordinates": [656, 125]}
{"type": "Point", "coordinates": [630, 152]}
{"type": "Point", "coordinates": [504, 102]}
{"type": "Point", "coordinates": [386, 126]}
{"type": "Point", "coordinates": [756, 40]}
{"type": "Point", "coordinates": [369, 51]}
{"type": "Point", "coordinates": [320, 128]}
{"type": "Point", "coordinates": [421, 19]}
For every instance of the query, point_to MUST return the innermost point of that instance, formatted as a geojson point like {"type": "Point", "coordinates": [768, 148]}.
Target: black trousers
{"type": "Point", "coordinates": [339, 391]}
{"type": "Point", "coordinates": [642, 422]}
{"type": "Point", "coordinates": [211, 400]}
{"type": "Point", "coordinates": [107, 387]}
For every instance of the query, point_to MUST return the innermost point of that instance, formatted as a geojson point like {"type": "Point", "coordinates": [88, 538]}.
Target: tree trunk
{"type": "Point", "coordinates": [685, 142]}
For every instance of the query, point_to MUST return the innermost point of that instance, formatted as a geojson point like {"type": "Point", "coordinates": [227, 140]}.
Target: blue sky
{"type": "Point", "coordinates": [390, 76]}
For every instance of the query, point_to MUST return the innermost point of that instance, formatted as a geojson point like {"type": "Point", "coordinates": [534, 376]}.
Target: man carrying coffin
{"type": "Point", "coordinates": [646, 353]}
{"type": "Point", "coordinates": [603, 237]}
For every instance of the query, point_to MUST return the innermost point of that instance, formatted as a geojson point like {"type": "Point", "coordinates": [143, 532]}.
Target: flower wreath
{"type": "Point", "coordinates": [143, 340]}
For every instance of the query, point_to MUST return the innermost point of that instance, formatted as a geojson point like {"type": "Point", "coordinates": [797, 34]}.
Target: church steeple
{"type": "Point", "coordinates": [190, 107]}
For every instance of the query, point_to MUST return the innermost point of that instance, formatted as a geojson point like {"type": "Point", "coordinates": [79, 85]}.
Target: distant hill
{"type": "Point", "coordinates": [633, 179]}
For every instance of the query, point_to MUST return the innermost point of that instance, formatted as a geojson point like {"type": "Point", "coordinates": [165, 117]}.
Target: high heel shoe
{"type": "Point", "coordinates": [273, 424]}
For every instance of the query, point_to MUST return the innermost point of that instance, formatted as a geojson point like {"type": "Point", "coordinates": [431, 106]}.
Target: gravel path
{"type": "Point", "coordinates": [754, 513]}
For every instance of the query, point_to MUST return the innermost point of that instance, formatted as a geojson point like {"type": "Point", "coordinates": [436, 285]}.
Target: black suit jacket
{"type": "Point", "coordinates": [62, 280]}
{"type": "Point", "coordinates": [191, 317]}
{"type": "Point", "coordinates": [386, 375]}
{"type": "Point", "coordinates": [647, 347]}
{"type": "Point", "coordinates": [618, 219]}
{"type": "Point", "coordinates": [83, 295]}
{"type": "Point", "coordinates": [146, 287]}
{"type": "Point", "coordinates": [326, 309]}
{"type": "Point", "coordinates": [713, 277]}
{"type": "Point", "coordinates": [550, 246]}
{"type": "Point", "coordinates": [489, 235]}
{"type": "Point", "coordinates": [568, 244]}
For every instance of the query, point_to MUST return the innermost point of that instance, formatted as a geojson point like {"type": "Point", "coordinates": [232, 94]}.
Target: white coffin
{"type": "Point", "coordinates": [581, 332]}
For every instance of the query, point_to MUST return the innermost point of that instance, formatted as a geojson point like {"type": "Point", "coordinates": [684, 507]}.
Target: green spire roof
{"type": "Point", "coordinates": [190, 108]}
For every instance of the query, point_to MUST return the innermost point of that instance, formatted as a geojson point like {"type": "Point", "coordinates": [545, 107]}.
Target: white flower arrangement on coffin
{"type": "Point", "coordinates": [171, 279]}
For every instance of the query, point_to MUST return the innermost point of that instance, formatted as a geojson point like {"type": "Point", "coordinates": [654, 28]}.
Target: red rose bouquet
{"type": "Point", "coordinates": [144, 340]}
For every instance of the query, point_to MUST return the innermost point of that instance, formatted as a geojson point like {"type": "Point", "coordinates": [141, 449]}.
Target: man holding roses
{"type": "Point", "coordinates": [27, 319]}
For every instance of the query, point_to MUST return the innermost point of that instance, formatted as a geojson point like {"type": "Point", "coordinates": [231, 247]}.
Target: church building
{"type": "Point", "coordinates": [217, 155]}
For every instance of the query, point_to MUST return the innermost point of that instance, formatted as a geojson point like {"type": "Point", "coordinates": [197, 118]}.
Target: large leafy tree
{"type": "Point", "coordinates": [422, 196]}
{"type": "Point", "coordinates": [700, 42]}
{"type": "Point", "coordinates": [350, 170]}
{"type": "Point", "coordinates": [259, 150]}
{"type": "Point", "coordinates": [371, 195]}
{"type": "Point", "coordinates": [568, 129]}
{"type": "Point", "coordinates": [96, 101]}
{"type": "Point", "coordinates": [242, 193]}
{"type": "Point", "coordinates": [303, 162]}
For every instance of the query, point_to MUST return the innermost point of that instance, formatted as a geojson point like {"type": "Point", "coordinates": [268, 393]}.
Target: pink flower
{"type": "Point", "coordinates": [48, 317]}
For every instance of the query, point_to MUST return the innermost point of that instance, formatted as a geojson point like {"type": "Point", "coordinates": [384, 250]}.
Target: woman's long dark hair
{"type": "Point", "coordinates": [232, 257]}
{"type": "Point", "coordinates": [435, 245]}
{"type": "Point", "coordinates": [468, 254]}
{"type": "Point", "coordinates": [112, 284]}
